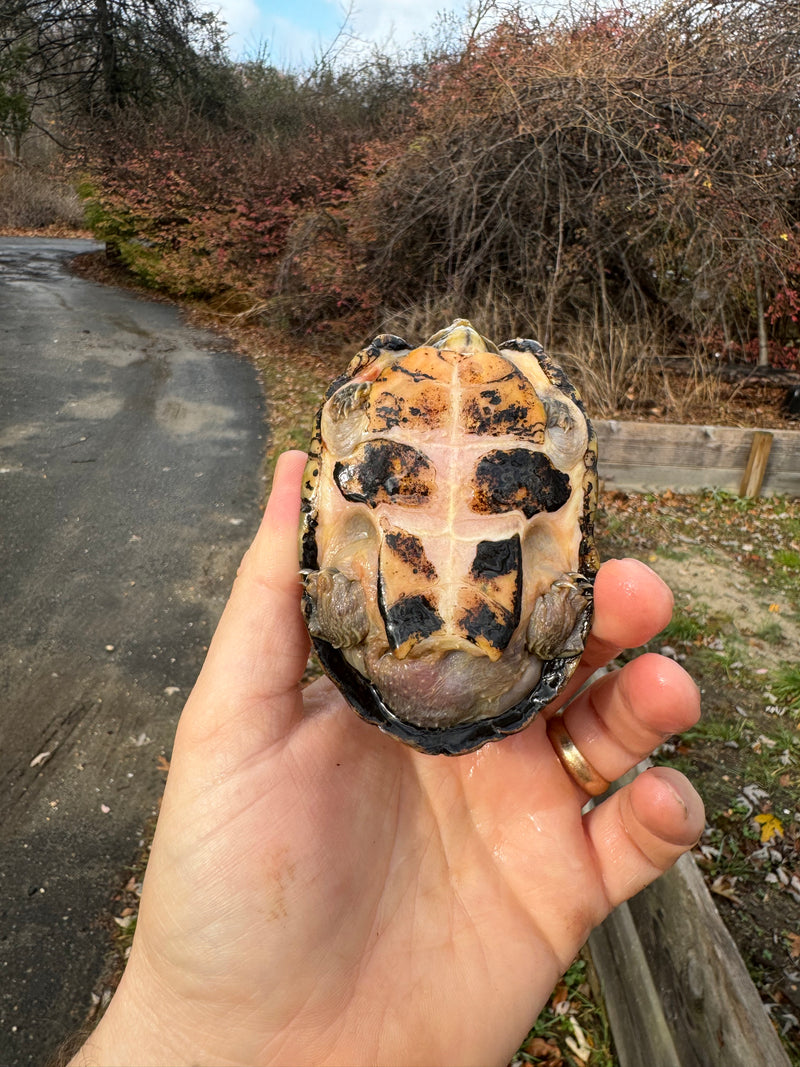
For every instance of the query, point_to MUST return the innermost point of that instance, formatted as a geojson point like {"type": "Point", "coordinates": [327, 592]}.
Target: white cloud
{"type": "Point", "coordinates": [300, 31]}
{"type": "Point", "coordinates": [251, 26]}
{"type": "Point", "coordinates": [400, 20]}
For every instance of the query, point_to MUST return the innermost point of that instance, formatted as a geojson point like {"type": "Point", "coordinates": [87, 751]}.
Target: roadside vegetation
{"type": "Point", "coordinates": [619, 182]}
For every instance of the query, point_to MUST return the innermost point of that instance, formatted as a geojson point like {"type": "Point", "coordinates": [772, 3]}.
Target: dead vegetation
{"type": "Point", "coordinates": [32, 201]}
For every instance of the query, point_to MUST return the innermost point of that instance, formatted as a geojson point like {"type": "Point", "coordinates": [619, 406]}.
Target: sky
{"type": "Point", "coordinates": [299, 30]}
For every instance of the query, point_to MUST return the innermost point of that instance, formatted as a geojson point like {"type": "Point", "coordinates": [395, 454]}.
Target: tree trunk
{"type": "Point", "coordinates": [763, 347]}
{"type": "Point", "coordinates": [107, 46]}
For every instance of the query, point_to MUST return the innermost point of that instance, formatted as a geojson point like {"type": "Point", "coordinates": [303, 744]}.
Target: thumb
{"type": "Point", "coordinates": [260, 649]}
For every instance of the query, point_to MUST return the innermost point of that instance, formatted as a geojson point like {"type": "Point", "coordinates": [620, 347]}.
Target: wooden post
{"type": "Point", "coordinates": [756, 463]}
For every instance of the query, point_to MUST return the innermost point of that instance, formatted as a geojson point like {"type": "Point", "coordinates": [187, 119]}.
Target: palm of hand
{"type": "Point", "coordinates": [319, 893]}
{"type": "Point", "coordinates": [367, 886]}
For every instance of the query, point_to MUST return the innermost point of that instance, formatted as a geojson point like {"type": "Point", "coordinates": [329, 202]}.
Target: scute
{"type": "Point", "coordinates": [518, 479]}
{"type": "Point", "coordinates": [447, 540]}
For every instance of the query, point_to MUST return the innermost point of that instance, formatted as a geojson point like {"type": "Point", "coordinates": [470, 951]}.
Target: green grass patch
{"type": "Point", "coordinates": [786, 687]}
{"type": "Point", "coordinates": [787, 557]}
{"type": "Point", "coordinates": [683, 628]}
{"type": "Point", "coordinates": [571, 1017]}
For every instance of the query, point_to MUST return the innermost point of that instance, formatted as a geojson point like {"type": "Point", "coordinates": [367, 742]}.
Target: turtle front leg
{"type": "Point", "coordinates": [335, 608]}
{"type": "Point", "coordinates": [560, 619]}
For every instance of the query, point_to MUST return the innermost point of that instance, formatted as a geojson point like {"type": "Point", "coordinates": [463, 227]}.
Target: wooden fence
{"type": "Point", "coordinates": [644, 456]}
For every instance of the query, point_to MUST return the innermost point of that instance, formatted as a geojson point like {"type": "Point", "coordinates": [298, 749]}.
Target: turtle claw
{"type": "Point", "coordinates": [560, 619]}
{"type": "Point", "coordinates": [335, 608]}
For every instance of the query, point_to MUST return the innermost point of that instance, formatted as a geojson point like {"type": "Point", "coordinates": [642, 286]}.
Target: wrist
{"type": "Point", "coordinates": [134, 1032]}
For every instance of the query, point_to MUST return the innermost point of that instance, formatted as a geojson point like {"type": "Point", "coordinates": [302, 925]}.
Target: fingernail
{"type": "Point", "coordinates": [664, 776]}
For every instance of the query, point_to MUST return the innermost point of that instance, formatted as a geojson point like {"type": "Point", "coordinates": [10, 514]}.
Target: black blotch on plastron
{"type": "Point", "coordinates": [493, 623]}
{"type": "Point", "coordinates": [496, 558]}
{"type": "Point", "coordinates": [414, 373]}
{"type": "Point", "coordinates": [410, 618]}
{"type": "Point", "coordinates": [387, 413]}
{"type": "Point", "coordinates": [382, 472]}
{"type": "Point", "coordinates": [511, 419]}
{"type": "Point", "coordinates": [408, 548]}
{"type": "Point", "coordinates": [507, 406]}
{"type": "Point", "coordinates": [518, 479]}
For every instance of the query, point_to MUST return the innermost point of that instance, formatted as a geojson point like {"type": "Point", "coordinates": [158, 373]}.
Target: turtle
{"type": "Point", "coordinates": [447, 547]}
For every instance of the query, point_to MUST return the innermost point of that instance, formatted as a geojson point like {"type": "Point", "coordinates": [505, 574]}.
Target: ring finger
{"type": "Point", "coordinates": [623, 716]}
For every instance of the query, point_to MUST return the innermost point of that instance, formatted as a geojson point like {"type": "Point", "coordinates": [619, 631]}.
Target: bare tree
{"type": "Point", "coordinates": [88, 58]}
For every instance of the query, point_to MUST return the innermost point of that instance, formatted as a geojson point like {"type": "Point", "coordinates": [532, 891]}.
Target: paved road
{"type": "Point", "coordinates": [130, 461]}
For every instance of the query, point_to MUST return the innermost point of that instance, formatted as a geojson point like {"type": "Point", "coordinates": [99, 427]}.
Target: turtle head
{"type": "Point", "coordinates": [462, 337]}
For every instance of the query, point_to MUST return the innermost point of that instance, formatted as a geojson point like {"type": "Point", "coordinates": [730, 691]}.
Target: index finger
{"type": "Point", "coordinates": [631, 605]}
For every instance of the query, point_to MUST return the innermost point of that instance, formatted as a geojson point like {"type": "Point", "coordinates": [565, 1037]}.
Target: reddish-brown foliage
{"type": "Point", "coordinates": [628, 173]}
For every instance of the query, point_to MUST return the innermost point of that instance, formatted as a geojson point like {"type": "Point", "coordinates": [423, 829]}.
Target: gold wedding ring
{"type": "Point", "coordinates": [573, 761]}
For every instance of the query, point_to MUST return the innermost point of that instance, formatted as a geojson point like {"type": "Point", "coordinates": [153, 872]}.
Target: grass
{"type": "Point", "coordinates": [684, 628]}
{"type": "Point", "coordinates": [30, 200]}
{"type": "Point", "coordinates": [772, 632]}
{"type": "Point", "coordinates": [725, 730]}
{"type": "Point", "coordinates": [786, 687]}
{"type": "Point", "coordinates": [788, 558]}
{"type": "Point", "coordinates": [555, 1033]}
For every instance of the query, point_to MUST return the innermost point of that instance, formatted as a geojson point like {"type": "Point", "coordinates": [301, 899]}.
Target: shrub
{"type": "Point", "coordinates": [634, 167]}
{"type": "Point", "coordinates": [33, 201]}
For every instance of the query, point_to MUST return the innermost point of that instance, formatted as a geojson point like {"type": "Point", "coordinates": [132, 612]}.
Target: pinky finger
{"type": "Point", "coordinates": [642, 829]}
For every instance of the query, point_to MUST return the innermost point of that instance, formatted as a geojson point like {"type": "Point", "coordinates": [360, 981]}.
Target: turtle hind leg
{"type": "Point", "coordinates": [335, 608]}
{"type": "Point", "coordinates": [560, 619]}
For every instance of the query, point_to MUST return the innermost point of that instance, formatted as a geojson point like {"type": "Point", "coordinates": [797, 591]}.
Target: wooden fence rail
{"type": "Point", "coordinates": [644, 456]}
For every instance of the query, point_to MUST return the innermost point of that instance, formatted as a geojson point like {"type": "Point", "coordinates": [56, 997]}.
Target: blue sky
{"type": "Point", "coordinates": [298, 30]}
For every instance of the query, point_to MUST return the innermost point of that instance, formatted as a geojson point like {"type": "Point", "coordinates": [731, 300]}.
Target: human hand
{"type": "Point", "coordinates": [319, 893]}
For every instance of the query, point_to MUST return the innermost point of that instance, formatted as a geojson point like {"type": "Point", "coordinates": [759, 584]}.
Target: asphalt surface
{"type": "Point", "coordinates": [130, 477]}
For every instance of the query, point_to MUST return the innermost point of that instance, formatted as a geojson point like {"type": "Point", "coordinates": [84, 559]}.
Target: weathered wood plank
{"type": "Point", "coordinates": [709, 1001]}
{"type": "Point", "coordinates": [756, 468]}
{"type": "Point", "coordinates": [642, 456]}
{"type": "Point", "coordinates": [677, 991]}
{"type": "Point", "coordinates": [632, 1001]}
